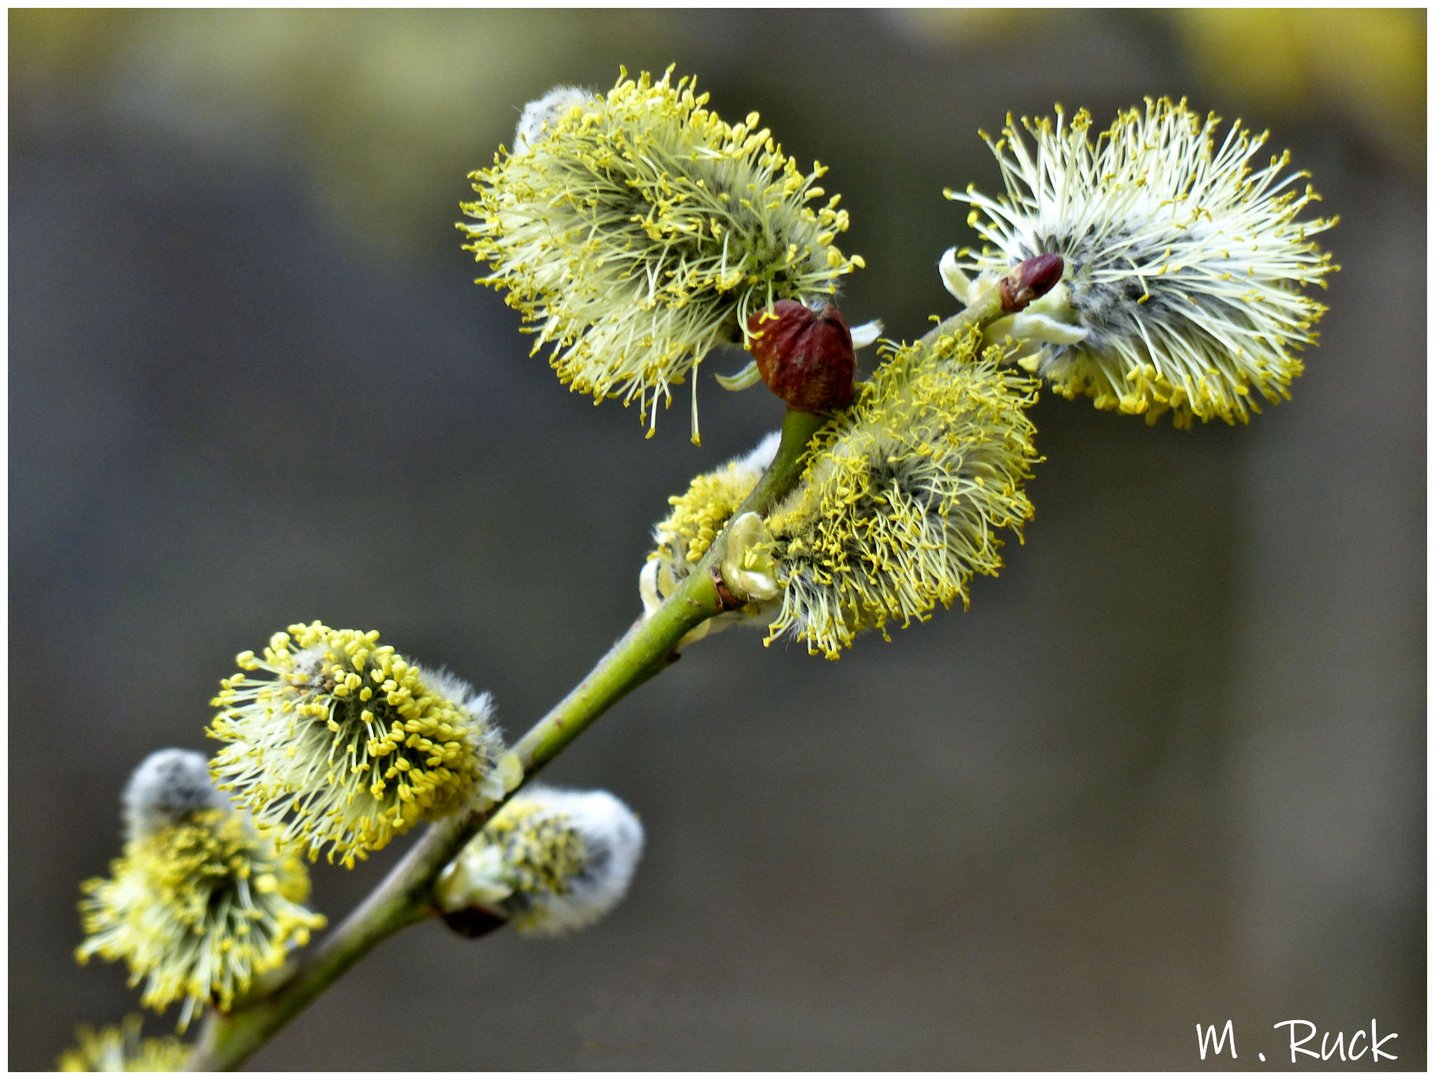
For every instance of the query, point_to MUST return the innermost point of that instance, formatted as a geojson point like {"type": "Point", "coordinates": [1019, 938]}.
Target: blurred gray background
{"type": "Point", "coordinates": [1168, 770]}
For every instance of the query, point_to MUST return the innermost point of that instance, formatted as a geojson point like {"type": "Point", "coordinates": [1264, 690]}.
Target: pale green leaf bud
{"type": "Point", "coordinates": [697, 517]}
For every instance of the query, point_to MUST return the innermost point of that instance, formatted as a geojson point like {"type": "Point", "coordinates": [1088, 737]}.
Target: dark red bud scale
{"type": "Point", "coordinates": [804, 355]}
{"type": "Point", "coordinates": [1031, 279]}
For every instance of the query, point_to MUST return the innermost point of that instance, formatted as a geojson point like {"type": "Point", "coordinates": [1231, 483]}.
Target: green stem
{"type": "Point", "coordinates": [985, 308]}
{"type": "Point", "coordinates": [228, 1040]}
{"type": "Point", "coordinates": [648, 647]}
{"type": "Point", "coordinates": [780, 477]}
{"type": "Point", "coordinates": [403, 897]}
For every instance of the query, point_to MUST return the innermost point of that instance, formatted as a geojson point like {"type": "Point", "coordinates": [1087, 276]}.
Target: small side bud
{"type": "Point", "coordinates": [168, 786]}
{"type": "Point", "coordinates": [1031, 279]}
{"type": "Point", "coordinates": [548, 862]}
{"type": "Point", "coordinates": [745, 574]}
{"type": "Point", "coordinates": [804, 355]}
{"type": "Point", "coordinates": [475, 921]}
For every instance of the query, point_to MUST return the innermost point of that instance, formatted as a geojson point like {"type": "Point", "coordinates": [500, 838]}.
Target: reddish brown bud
{"type": "Point", "coordinates": [804, 356]}
{"type": "Point", "coordinates": [1031, 279]}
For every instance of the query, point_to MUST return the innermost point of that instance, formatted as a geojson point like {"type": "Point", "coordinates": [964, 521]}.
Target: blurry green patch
{"type": "Point", "coordinates": [1366, 65]}
{"type": "Point", "coordinates": [388, 108]}
{"type": "Point", "coordinates": [1364, 68]}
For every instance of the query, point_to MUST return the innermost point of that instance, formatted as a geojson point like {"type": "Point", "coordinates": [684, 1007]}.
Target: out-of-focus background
{"type": "Point", "coordinates": [1168, 770]}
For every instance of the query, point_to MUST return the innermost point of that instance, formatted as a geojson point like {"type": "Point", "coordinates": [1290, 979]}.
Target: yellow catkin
{"type": "Point", "coordinates": [636, 230]}
{"type": "Point", "coordinates": [347, 744]}
{"type": "Point", "coordinates": [197, 910]}
{"type": "Point", "coordinates": [905, 495]}
{"type": "Point", "coordinates": [119, 1048]}
{"type": "Point", "coordinates": [1185, 260]}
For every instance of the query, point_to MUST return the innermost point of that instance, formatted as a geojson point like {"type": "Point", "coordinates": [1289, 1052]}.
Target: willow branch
{"type": "Point", "coordinates": [403, 897]}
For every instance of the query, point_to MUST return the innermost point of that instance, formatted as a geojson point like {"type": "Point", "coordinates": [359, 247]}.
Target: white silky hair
{"type": "Point", "coordinates": [543, 112]}
{"type": "Point", "coordinates": [613, 838]}
{"type": "Point", "coordinates": [168, 786]}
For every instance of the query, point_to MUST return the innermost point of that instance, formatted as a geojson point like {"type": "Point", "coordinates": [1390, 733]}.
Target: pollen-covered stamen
{"type": "Point", "coordinates": [636, 231]}
{"type": "Point", "coordinates": [350, 744]}
{"type": "Point", "coordinates": [1184, 261]}
{"type": "Point", "coordinates": [197, 910]}
{"type": "Point", "coordinates": [120, 1048]}
{"type": "Point", "coordinates": [904, 495]}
